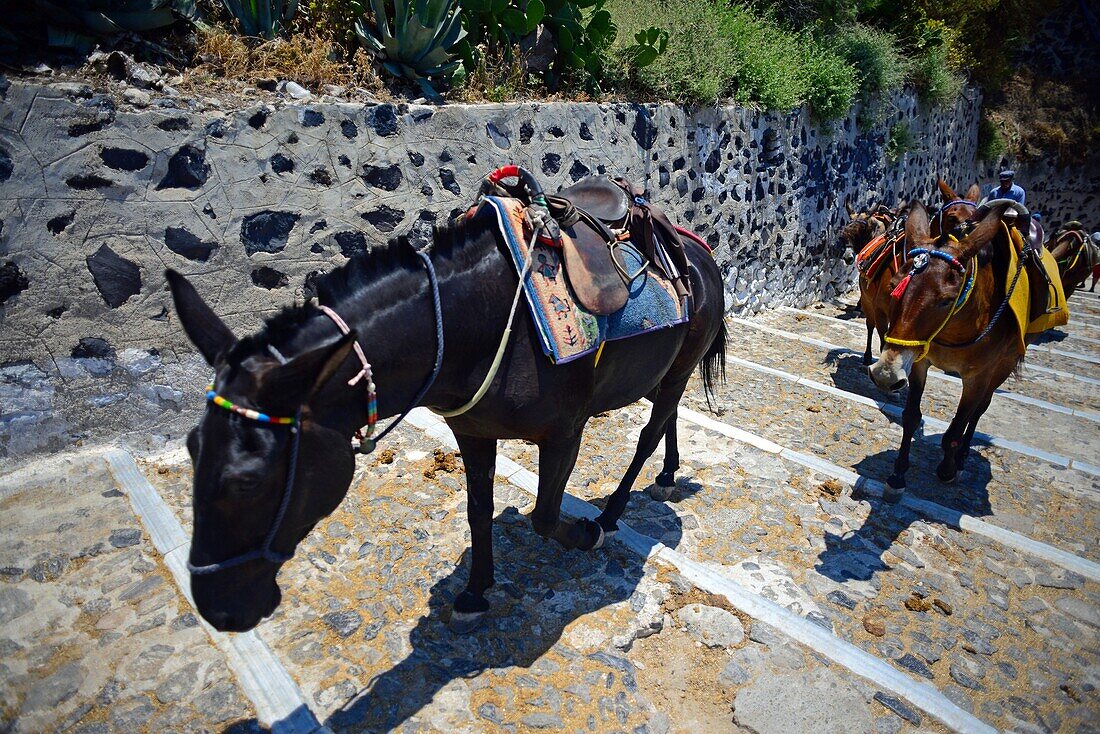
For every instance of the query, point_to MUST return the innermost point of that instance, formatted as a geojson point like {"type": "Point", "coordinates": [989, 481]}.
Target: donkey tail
{"type": "Point", "coordinates": [713, 364]}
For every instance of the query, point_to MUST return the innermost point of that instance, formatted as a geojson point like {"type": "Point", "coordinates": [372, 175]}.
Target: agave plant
{"type": "Point", "coordinates": [266, 18]}
{"type": "Point", "coordinates": [80, 24]}
{"type": "Point", "coordinates": [418, 44]}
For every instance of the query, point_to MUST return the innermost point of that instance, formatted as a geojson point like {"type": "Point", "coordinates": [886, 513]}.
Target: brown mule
{"type": "Point", "coordinates": [945, 314]}
{"type": "Point", "coordinates": [866, 234]}
{"type": "Point", "coordinates": [878, 260]}
{"type": "Point", "coordinates": [1076, 256]}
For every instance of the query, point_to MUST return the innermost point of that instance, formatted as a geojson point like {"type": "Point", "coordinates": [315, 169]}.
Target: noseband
{"type": "Point", "coordinates": [367, 444]}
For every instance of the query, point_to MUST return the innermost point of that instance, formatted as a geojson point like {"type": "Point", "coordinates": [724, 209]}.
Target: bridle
{"type": "Point", "coordinates": [921, 258]}
{"type": "Point", "coordinates": [367, 443]}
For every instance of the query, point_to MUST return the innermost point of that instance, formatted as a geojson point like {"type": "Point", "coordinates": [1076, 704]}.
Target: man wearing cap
{"type": "Point", "coordinates": [1007, 189]}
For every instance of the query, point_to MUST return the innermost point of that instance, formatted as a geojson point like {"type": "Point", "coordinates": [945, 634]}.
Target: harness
{"type": "Point", "coordinates": [367, 444]}
{"type": "Point", "coordinates": [961, 301]}
{"type": "Point", "coordinates": [922, 257]}
{"type": "Point", "coordinates": [1082, 246]}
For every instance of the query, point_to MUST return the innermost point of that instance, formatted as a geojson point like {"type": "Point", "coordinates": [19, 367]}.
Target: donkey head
{"type": "Point", "coordinates": [244, 468]}
{"type": "Point", "coordinates": [956, 209]}
{"type": "Point", "coordinates": [926, 291]}
{"type": "Point", "coordinates": [863, 226]}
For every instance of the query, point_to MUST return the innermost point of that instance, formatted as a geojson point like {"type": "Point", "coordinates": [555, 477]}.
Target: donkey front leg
{"type": "Point", "coordinates": [479, 458]}
{"type": "Point", "coordinates": [556, 461]}
{"type": "Point", "coordinates": [910, 419]}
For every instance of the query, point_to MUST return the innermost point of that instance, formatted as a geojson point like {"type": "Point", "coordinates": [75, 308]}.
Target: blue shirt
{"type": "Point", "coordinates": [1015, 193]}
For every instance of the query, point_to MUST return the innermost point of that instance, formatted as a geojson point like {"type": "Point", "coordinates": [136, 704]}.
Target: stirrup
{"type": "Point", "coordinates": [611, 248]}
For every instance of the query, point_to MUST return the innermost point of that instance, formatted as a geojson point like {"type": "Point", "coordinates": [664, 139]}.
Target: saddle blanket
{"type": "Point", "coordinates": [1020, 302]}
{"type": "Point", "coordinates": [873, 255]}
{"type": "Point", "coordinates": [567, 331]}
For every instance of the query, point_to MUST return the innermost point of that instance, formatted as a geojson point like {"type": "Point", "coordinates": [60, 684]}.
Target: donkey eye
{"type": "Point", "coordinates": [946, 303]}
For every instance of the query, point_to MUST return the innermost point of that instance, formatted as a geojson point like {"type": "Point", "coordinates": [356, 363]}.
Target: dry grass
{"type": "Point", "coordinates": [310, 61]}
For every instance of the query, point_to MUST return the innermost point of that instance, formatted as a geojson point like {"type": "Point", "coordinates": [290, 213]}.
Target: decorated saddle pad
{"type": "Point", "coordinates": [876, 253]}
{"type": "Point", "coordinates": [566, 330]}
{"type": "Point", "coordinates": [1020, 302]}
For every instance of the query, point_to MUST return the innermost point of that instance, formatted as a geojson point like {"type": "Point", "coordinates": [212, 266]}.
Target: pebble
{"type": "Point", "coordinates": [874, 625]}
{"type": "Point", "coordinates": [297, 91]}
{"type": "Point", "coordinates": [816, 701]}
{"type": "Point", "coordinates": [899, 707]}
{"type": "Point", "coordinates": [137, 97]}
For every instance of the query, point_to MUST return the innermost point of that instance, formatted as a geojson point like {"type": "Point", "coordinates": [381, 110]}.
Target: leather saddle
{"type": "Point", "coordinates": [597, 213]}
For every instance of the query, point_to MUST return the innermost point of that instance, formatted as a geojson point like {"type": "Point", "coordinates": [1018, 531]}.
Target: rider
{"type": "Point", "coordinates": [1007, 189]}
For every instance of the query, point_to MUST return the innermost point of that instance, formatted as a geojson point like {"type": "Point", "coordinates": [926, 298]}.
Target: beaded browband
{"type": "Point", "coordinates": [249, 413]}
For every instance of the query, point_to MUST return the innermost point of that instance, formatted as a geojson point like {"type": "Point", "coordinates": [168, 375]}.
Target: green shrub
{"type": "Point", "coordinates": [418, 44]}
{"type": "Point", "coordinates": [877, 57]}
{"type": "Point", "coordinates": [900, 142]}
{"type": "Point", "coordinates": [582, 31]}
{"type": "Point", "coordinates": [936, 81]}
{"type": "Point", "coordinates": [81, 24]}
{"type": "Point", "coordinates": [831, 82]}
{"type": "Point", "coordinates": [770, 63]}
{"type": "Point", "coordinates": [264, 18]}
{"type": "Point", "coordinates": [698, 64]}
{"type": "Point", "coordinates": [716, 49]}
{"type": "Point", "coordinates": [991, 143]}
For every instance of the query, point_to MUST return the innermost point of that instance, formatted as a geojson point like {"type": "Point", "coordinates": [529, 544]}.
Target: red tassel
{"type": "Point", "coordinates": [900, 290]}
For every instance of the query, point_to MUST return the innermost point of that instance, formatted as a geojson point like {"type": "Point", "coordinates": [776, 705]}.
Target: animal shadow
{"type": "Point", "coordinates": [1049, 336]}
{"type": "Point", "coordinates": [858, 555]}
{"type": "Point", "coordinates": [540, 589]}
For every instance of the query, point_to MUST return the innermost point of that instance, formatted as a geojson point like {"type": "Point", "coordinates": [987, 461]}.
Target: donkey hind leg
{"type": "Point", "coordinates": [662, 486]}
{"type": "Point", "coordinates": [963, 449]}
{"type": "Point", "coordinates": [556, 461]}
{"type": "Point", "coordinates": [975, 399]}
{"type": "Point", "coordinates": [479, 458]}
{"type": "Point", "coordinates": [867, 360]}
{"type": "Point", "coordinates": [662, 422]}
{"type": "Point", "coordinates": [910, 419]}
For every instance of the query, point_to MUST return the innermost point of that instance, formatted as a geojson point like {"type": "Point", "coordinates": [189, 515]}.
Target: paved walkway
{"type": "Point", "coordinates": [767, 595]}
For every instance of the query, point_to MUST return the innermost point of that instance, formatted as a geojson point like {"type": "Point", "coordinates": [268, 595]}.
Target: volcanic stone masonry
{"type": "Point", "coordinates": [96, 200]}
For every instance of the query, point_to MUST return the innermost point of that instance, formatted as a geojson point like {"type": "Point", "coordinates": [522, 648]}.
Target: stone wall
{"type": "Point", "coordinates": [97, 199]}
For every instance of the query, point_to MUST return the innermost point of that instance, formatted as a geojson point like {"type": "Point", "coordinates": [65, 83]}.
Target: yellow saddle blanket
{"type": "Point", "coordinates": [1033, 318]}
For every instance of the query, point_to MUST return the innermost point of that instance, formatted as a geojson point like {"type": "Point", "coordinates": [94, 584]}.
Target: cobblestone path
{"type": "Point", "coordinates": [612, 641]}
{"type": "Point", "coordinates": [94, 634]}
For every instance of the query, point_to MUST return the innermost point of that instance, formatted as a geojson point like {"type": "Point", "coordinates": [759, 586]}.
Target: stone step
{"type": "Point", "coordinates": [847, 561]}
{"type": "Point", "coordinates": [1060, 393]}
{"type": "Point", "coordinates": [95, 632]}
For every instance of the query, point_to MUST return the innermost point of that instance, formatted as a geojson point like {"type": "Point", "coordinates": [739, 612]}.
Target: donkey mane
{"type": "Point", "coordinates": [349, 281]}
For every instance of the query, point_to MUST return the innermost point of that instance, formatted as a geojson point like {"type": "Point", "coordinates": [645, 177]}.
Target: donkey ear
{"type": "Point", "coordinates": [300, 378]}
{"type": "Point", "coordinates": [946, 192]}
{"type": "Point", "coordinates": [203, 327]}
{"type": "Point", "coordinates": [917, 225]}
{"type": "Point", "coordinates": [848, 207]}
{"type": "Point", "coordinates": [984, 231]}
{"type": "Point", "coordinates": [973, 192]}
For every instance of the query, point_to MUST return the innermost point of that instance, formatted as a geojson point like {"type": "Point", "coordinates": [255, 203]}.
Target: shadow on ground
{"type": "Point", "coordinates": [540, 589]}
{"type": "Point", "coordinates": [858, 555]}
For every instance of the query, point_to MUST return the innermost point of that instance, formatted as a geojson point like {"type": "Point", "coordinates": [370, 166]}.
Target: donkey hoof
{"type": "Point", "coordinates": [662, 487]}
{"type": "Point", "coordinates": [868, 360]}
{"type": "Point", "coordinates": [893, 494]}
{"type": "Point", "coordinates": [605, 537]}
{"type": "Point", "coordinates": [463, 623]}
{"type": "Point", "coordinates": [950, 479]}
{"type": "Point", "coordinates": [896, 482]}
{"type": "Point", "coordinates": [600, 535]}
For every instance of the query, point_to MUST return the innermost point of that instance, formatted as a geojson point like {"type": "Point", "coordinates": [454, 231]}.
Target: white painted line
{"type": "Point", "coordinates": [278, 701]}
{"type": "Point", "coordinates": [937, 375]}
{"type": "Point", "coordinates": [1035, 347]}
{"type": "Point", "coordinates": [817, 638]}
{"type": "Point", "coordinates": [1065, 559]}
{"type": "Point", "coordinates": [895, 411]}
